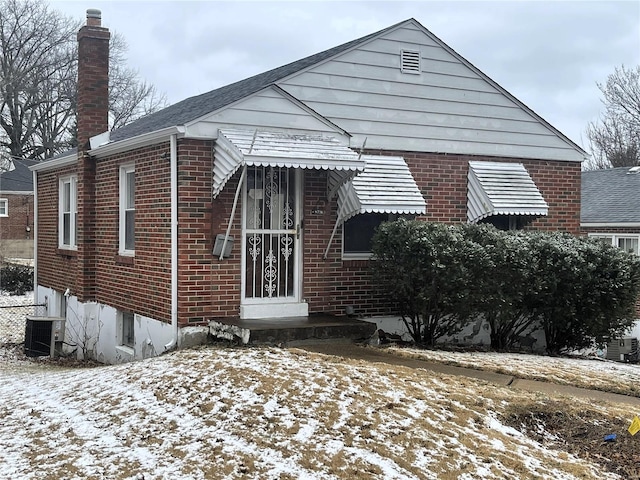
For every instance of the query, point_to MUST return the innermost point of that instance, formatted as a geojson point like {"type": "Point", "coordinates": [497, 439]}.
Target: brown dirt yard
{"type": "Point", "coordinates": [283, 413]}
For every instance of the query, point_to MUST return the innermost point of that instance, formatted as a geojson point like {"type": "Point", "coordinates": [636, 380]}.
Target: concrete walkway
{"type": "Point", "coordinates": [370, 354]}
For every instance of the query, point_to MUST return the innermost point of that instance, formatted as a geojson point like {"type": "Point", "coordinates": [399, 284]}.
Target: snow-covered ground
{"type": "Point", "coordinates": [593, 372]}
{"type": "Point", "coordinates": [270, 413]}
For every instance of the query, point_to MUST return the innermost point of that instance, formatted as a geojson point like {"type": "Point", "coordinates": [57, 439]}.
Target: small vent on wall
{"type": "Point", "coordinates": [410, 61]}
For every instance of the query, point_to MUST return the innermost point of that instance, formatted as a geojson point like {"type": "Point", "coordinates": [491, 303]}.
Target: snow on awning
{"type": "Point", "coordinates": [385, 186]}
{"type": "Point", "coordinates": [235, 148]}
{"type": "Point", "coordinates": [496, 188]}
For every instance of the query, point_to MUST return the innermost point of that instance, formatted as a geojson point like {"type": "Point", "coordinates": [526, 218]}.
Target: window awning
{"type": "Point", "coordinates": [385, 186]}
{"type": "Point", "coordinates": [235, 148]}
{"type": "Point", "coordinates": [496, 188]}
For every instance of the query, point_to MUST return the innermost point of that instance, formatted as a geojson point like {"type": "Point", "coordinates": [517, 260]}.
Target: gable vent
{"type": "Point", "coordinates": [410, 61]}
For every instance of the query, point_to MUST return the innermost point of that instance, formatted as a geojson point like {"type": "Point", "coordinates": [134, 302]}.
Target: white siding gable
{"type": "Point", "coordinates": [449, 106]}
{"type": "Point", "coordinates": [269, 109]}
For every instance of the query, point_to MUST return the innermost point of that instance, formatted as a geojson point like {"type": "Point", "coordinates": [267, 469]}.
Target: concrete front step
{"type": "Point", "coordinates": [291, 330]}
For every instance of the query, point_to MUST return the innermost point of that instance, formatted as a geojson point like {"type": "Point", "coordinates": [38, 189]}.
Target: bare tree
{"type": "Point", "coordinates": [129, 96]}
{"type": "Point", "coordinates": [38, 81]}
{"type": "Point", "coordinates": [615, 137]}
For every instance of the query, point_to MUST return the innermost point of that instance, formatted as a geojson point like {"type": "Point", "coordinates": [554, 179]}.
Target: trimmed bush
{"type": "Point", "coordinates": [440, 277]}
{"type": "Point", "coordinates": [16, 279]}
{"type": "Point", "coordinates": [428, 270]}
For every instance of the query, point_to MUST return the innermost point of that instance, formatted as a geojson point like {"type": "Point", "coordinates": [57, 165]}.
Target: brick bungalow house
{"type": "Point", "coordinates": [16, 211]}
{"type": "Point", "coordinates": [258, 199]}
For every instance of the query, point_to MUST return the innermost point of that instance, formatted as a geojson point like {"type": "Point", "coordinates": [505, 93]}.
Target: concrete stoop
{"type": "Point", "coordinates": [291, 331]}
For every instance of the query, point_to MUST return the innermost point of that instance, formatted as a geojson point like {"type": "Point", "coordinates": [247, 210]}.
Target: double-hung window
{"type": "Point", "coordinates": [68, 212]}
{"type": "Point", "coordinates": [4, 207]}
{"type": "Point", "coordinates": [127, 209]}
{"type": "Point", "coordinates": [628, 242]}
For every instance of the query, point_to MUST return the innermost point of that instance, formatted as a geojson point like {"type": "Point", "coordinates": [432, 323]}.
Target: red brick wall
{"type": "Point", "coordinates": [57, 269]}
{"type": "Point", "coordinates": [331, 285]}
{"type": "Point", "coordinates": [20, 210]}
{"type": "Point", "coordinates": [210, 288]}
{"type": "Point", "coordinates": [141, 284]}
{"type": "Point", "coordinates": [443, 181]}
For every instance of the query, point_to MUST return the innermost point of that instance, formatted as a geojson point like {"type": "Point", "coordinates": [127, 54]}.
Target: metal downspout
{"type": "Point", "coordinates": [174, 242]}
{"type": "Point", "coordinates": [35, 238]}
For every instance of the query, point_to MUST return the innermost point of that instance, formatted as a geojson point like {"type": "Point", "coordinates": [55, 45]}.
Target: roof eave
{"type": "Point", "coordinates": [55, 163]}
{"type": "Point", "coordinates": [610, 224]}
{"type": "Point", "coordinates": [139, 141]}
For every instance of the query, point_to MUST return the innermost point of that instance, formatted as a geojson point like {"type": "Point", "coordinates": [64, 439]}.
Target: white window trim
{"type": "Point", "coordinates": [6, 207]}
{"type": "Point", "coordinates": [72, 180]}
{"type": "Point", "coordinates": [124, 170]}
{"type": "Point", "coordinates": [614, 237]}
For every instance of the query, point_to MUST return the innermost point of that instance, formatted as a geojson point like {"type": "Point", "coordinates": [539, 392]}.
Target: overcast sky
{"type": "Point", "coordinates": [549, 54]}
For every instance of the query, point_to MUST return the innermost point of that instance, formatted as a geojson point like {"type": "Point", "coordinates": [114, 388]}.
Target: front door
{"type": "Point", "coordinates": [272, 257]}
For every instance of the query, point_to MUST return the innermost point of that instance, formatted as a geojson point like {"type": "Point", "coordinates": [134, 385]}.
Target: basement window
{"type": "Point", "coordinates": [410, 62]}
{"type": "Point", "coordinates": [126, 330]}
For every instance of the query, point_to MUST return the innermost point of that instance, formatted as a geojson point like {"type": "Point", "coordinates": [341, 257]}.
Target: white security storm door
{"type": "Point", "coordinates": [272, 260]}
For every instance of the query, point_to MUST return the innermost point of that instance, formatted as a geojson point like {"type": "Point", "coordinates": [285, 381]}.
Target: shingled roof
{"type": "Point", "coordinates": [611, 196]}
{"type": "Point", "coordinates": [18, 180]}
{"type": "Point", "coordinates": [195, 107]}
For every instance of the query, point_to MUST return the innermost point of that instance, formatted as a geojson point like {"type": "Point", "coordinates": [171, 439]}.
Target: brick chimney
{"type": "Point", "coordinates": [92, 119]}
{"type": "Point", "coordinates": [93, 79]}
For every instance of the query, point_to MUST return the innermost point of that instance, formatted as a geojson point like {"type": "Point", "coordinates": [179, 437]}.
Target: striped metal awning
{"type": "Point", "coordinates": [236, 148]}
{"type": "Point", "coordinates": [497, 188]}
{"type": "Point", "coordinates": [385, 186]}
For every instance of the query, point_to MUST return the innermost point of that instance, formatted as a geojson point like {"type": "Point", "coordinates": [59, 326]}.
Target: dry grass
{"type": "Point", "coordinates": [272, 413]}
{"type": "Point", "coordinates": [592, 372]}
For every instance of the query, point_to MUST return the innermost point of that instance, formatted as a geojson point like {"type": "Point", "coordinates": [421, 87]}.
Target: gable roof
{"type": "Point", "coordinates": [511, 139]}
{"type": "Point", "coordinates": [610, 196]}
{"type": "Point", "coordinates": [195, 107]}
{"type": "Point", "coordinates": [19, 179]}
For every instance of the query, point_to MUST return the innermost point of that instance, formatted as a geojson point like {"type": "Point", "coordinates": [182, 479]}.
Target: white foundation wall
{"type": "Point", "coordinates": [476, 333]}
{"type": "Point", "coordinates": [92, 330]}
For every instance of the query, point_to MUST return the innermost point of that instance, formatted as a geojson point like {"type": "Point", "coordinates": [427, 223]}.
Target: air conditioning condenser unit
{"type": "Point", "coordinates": [43, 336]}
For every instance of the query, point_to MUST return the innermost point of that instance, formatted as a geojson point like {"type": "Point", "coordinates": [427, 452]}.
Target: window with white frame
{"type": "Point", "coordinates": [127, 209]}
{"type": "Point", "coordinates": [4, 207]}
{"type": "Point", "coordinates": [627, 242]}
{"type": "Point", "coordinates": [68, 212]}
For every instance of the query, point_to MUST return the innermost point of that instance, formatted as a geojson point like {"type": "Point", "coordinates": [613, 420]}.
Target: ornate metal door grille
{"type": "Point", "coordinates": [271, 233]}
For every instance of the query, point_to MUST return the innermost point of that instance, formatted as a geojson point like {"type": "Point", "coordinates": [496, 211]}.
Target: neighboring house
{"type": "Point", "coordinates": [258, 199]}
{"type": "Point", "coordinates": [611, 206]}
{"type": "Point", "coordinates": [610, 211]}
{"type": "Point", "coordinates": [16, 211]}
